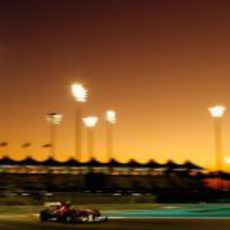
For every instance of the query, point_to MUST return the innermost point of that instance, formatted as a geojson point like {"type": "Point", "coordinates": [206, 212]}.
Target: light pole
{"type": "Point", "coordinates": [90, 123]}
{"type": "Point", "coordinates": [54, 119]}
{"type": "Point", "coordinates": [217, 113]}
{"type": "Point", "coordinates": [227, 160]}
{"type": "Point", "coordinates": [80, 94]}
{"type": "Point", "coordinates": [110, 117]}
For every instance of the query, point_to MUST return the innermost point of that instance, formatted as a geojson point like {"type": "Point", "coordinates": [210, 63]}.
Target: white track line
{"type": "Point", "coordinates": [169, 218]}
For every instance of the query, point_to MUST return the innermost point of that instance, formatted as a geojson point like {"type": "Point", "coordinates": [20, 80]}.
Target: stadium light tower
{"type": "Point", "coordinates": [54, 119]}
{"type": "Point", "coordinates": [90, 123]}
{"type": "Point", "coordinates": [217, 113]}
{"type": "Point", "coordinates": [110, 117]}
{"type": "Point", "coordinates": [80, 94]}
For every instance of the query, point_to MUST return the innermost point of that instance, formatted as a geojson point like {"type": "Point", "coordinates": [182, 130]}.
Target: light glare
{"type": "Point", "coordinates": [217, 111]}
{"type": "Point", "coordinates": [54, 118]}
{"type": "Point", "coordinates": [227, 160]}
{"type": "Point", "coordinates": [79, 92]}
{"type": "Point", "coordinates": [90, 122]}
{"type": "Point", "coordinates": [110, 116]}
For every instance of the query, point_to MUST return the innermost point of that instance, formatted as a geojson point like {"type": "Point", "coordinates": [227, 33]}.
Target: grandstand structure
{"type": "Point", "coordinates": [113, 167]}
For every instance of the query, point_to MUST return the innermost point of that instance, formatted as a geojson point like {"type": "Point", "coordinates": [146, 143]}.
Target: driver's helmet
{"type": "Point", "coordinates": [67, 203]}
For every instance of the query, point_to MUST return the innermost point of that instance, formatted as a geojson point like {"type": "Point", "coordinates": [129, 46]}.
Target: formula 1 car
{"type": "Point", "coordinates": [52, 213]}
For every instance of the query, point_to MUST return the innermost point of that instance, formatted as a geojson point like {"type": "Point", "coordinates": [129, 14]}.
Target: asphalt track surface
{"type": "Point", "coordinates": [119, 224]}
{"type": "Point", "coordinates": [174, 217]}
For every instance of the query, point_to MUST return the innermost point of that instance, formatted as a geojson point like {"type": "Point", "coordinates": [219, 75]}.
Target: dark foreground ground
{"type": "Point", "coordinates": [123, 224]}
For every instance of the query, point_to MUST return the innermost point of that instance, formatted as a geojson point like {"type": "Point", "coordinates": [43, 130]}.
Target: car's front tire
{"type": "Point", "coordinates": [90, 218]}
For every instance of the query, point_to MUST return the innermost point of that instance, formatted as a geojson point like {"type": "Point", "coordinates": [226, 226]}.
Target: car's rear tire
{"type": "Point", "coordinates": [44, 216]}
{"type": "Point", "coordinates": [69, 217]}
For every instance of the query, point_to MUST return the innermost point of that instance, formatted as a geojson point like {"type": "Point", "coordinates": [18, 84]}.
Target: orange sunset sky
{"type": "Point", "coordinates": [160, 64]}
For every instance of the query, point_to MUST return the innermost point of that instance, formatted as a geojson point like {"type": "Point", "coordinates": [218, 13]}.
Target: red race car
{"type": "Point", "coordinates": [63, 212]}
